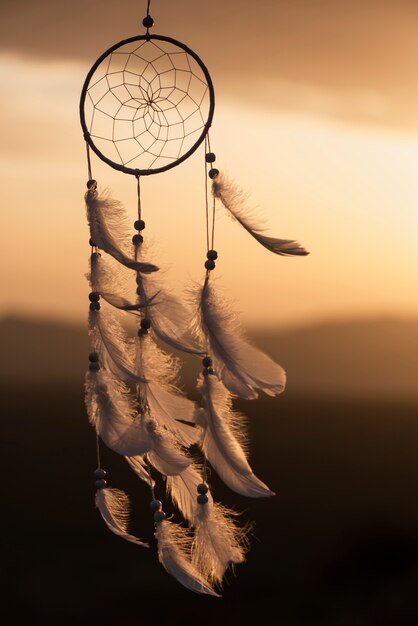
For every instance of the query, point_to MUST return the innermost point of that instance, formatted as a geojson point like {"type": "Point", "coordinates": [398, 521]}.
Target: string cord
{"type": "Point", "coordinates": [141, 392]}
{"type": "Point", "coordinates": [98, 451]}
{"type": "Point", "coordinates": [138, 188]}
{"type": "Point", "coordinates": [210, 219]}
{"type": "Point", "coordinates": [206, 197]}
{"type": "Point", "coordinates": [89, 174]}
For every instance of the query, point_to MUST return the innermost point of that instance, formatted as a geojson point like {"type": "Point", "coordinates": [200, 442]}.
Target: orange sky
{"type": "Point", "coordinates": [315, 117]}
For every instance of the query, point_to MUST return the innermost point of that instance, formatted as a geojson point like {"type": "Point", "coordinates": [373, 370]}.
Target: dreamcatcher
{"type": "Point", "coordinates": [147, 104]}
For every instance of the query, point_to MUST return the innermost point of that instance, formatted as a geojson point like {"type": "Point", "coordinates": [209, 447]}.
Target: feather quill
{"type": "Point", "coordinates": [174, 545]}
{"type": "Point", "coordinates": [233, 199]}
{"type": "Point", "coordinates": [113, 506]}
{"type": "Point", "coordinates": [219, 443]}
{"type": "Point", "coordinates": [243, 368]}
{"type": "Point", "coordinates": [218, 542]}
{"type": "Point", "coordinates": [106, 216]}
{"type": "Point", "coordinates": [112, 412]}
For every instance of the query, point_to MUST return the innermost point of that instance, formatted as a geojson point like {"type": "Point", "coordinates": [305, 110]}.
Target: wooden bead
{"type": "Point", "coordinates": [137, 239]}
{"type": "Point", "coordinates": [99, 473]}
{"type": "Point", "coordinates": [212, 255]}
{"type": "Point", "coordinates": [159, 516]}
{"type": "Point", "coordinates": [148, 22]}
{"type": "Point", "coordinates": [139, 225]}
{"type": "Point", "coordinates": [210, 265]}
{"type": "Point", "coordinates": [213, 173]}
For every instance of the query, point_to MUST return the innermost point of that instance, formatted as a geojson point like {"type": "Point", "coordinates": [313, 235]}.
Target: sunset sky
{"type": "Point", "coordinates": [316, 117]}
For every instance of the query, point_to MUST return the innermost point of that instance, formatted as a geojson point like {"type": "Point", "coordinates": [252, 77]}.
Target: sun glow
{"type": "Point", "coordinates": [348, 193]}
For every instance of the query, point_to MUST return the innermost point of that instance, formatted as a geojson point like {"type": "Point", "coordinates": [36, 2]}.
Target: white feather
{"type": "Point", "coordinates": [166, 403]}
{"type": "Point", "coordinates": [219, 444]}
{"type": "Point", "coordinates": [112, 412]}
{"type": "Point", "coordinates": [110, 280]}
{"type": "Point", "coordinates": [170, 319]}
{"type": "Point", "coordinates": [113, 506]}
{"type": "Point", "coordinates": [174, 546]}
{"type": "Point", "coordinates": [168, 407]}
{"type": "Point", "coordinates": [218, 542]}
{"type": "Point", "coordinates": [242, 367]}
{"type": "Point", "coordinates": [233, 199]}
{"type": "Point", "coordinates": [109, 230]}
{"type": "Point", "coordinates": [183, 491]}
{"type": "Point", "coordinates": [116, 352]}
{"type": "Point", "coordinates": [166, 456]}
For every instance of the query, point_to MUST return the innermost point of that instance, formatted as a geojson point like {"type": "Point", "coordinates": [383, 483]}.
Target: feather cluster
{"type": "Point", "coordinates": [138, 411]}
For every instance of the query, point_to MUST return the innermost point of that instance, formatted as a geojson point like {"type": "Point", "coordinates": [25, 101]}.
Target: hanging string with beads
{"type": "Point", "coordinates": [155, 505]}
{"type": "Point", "coordinates": [148, 22]}
{"type": "Point", "coordinates": [99, 473]}
{"type": "Point", "coordinates": [211, 256]}
{"type": "Point", "coordinates": [138, 240]}
{"type": "Point", "coordinates": [143, 330]}
{"type": "Point", "coordinates": [144, 323]}
{"type": "Point", "coordinates": [211, 173]}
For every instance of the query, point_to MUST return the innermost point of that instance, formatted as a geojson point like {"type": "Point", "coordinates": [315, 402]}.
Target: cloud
{"type": "Point", "coordinates": [354, 61]}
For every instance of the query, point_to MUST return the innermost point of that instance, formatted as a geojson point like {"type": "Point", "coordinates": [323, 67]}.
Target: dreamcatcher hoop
{"type": "Point", "coordinates": [206, 124]}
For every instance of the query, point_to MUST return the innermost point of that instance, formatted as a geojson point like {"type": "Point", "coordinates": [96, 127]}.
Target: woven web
{"type": "Point", "coordinates": [146, 104]}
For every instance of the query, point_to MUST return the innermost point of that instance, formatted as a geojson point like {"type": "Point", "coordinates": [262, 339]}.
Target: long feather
{"type": "Point", "coordinates": [108, 229]}
{"type": "Point", "coordinates": [220, 445]}
{"type": "Point", "coordinates": [166, 403]}
{"type": "Point", "coordinates": [110, 280]}
{"type": "Point", "coordinates": [183, 491]}
{"type": "Point", "coordinates": [169, 407]}
{"type": "Point", "coordinates": [242, 367]}
{"type": "Point", "coordinates": [218, 542]}
{"type": "Point", "coordinates": [233, 199]}
{"type": "Point", "coordinates": [110, 341]}
{"type": "Point", "coordinates": [113, 506]}
{"type": "Point", "coordinates": [113, 414]}
{"type": "Point", "coordinates": [174, 545]}
{"type": "Point", "coordinates": [166, 456]}
{"type": "Point", "coordinates": [170, 319]}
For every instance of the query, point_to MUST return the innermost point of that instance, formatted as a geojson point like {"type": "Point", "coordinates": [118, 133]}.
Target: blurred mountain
{"type": "Point", "coordinates": [363, 358]}
{"type": "Point", "coordinates": [375, 358]}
